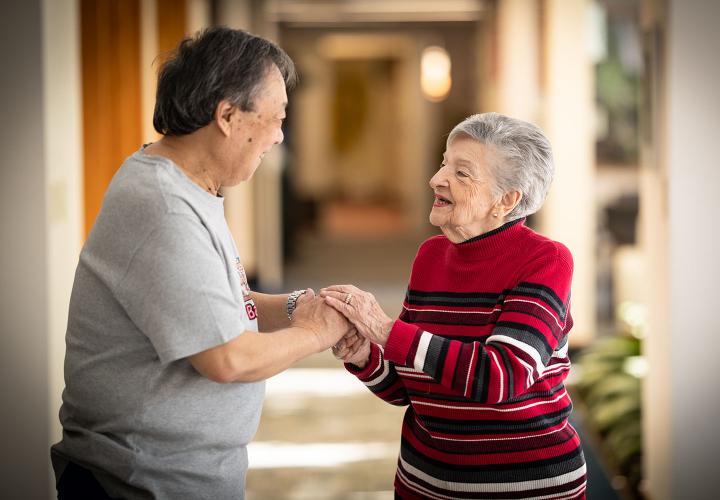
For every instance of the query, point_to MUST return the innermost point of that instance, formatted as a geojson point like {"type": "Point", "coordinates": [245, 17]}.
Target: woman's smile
{"type": "Point", "coordinates": [440, 201]}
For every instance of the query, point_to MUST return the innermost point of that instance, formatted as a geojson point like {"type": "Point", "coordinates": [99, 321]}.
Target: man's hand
{"type": "Point", "coordinates": [328, 325]}
{"type": "Point", "coordinates": [308, 295]}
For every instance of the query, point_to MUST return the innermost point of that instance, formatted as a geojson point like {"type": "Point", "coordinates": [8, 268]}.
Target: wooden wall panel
{"type": "Point", "coordinates": [110, 42]}
{"type": "Point", "coordinates": [172, 24]}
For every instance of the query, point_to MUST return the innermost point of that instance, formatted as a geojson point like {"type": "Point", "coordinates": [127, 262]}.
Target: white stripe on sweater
{"type": "Point", "coordinates": [385, 371]}
{"type": "Point", "coordinates": [412, 373]}
{"type": "Point", "coordinates": [467, 380]}
{"type": "Point", "coordinates": [424, 492]}
{"type": "Point", "coordinates": [499, 487]}
{"type": "Point", "coordinates": [500, 374]}
{"type": "Point", "coordinates": [562, 352]}
{"type": "Point", "coordinates": [527, 348]}
{"type": "Point", "coordinates": [419, 361]}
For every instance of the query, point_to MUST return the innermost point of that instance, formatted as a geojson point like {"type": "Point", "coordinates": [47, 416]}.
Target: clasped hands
{"type": "Point", "coordinates": [371, 324]}
{"type": "Point", "coordinates": [345, 318]}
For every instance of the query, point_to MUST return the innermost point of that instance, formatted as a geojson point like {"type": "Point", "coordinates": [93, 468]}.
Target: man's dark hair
{"type": "Point", "coordinates": [218, 63]}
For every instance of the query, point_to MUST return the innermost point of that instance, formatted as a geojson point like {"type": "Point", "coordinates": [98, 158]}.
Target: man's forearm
{"type": "Point", "coordinates": [272, 311]}
{"type": "Point", "coordinates": [256, 356]}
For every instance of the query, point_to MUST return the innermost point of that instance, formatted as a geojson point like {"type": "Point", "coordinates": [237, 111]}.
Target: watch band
{"type": "Point", "coordinates": [292, 302]}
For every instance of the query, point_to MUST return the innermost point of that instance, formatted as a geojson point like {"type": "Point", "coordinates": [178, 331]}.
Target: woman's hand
{"type": "Point", "coordinates": [361, 309]}
{"type": "Point", "coordinates": [353, 348]}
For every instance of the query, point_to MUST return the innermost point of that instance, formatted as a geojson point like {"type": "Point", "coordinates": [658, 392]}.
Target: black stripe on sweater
{"type": "Point", "coordinates": [526, 334]}
{"type": "Point", "coordinates": [483, 300]}
{"type": "Point", "coordinates": [493, 473]}
{"type": "Point", "coordinates": [533, 310]}
{"type": "Point", "coordinates": [452, 296]}
{"type": "Point", "coordinates": [489, 447]}
{"type": "Point", "coordinates": [383, 386]}
{"type": "Point", "coordinates": [433, 318]}
{"type": "Point", "coordinates": [462, 427]}
{"type": "Point", "coordinates": [435, 357]}
{"type": "Point", "coordinates": [461, 399]}
{"type": "Point", "coordinates": [509, 370]}
{"type": "Point", "coordinates": [544, 293]}
{"type": "Point", "coordinates": [482, 373]}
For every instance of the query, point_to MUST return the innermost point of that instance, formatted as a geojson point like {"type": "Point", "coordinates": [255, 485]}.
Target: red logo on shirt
{"type": "Point", "coordinates": [251, 310]}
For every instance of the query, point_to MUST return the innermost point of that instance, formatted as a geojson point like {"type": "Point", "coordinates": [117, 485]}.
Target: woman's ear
{"type": "Point", "coordinates": [223, 116]}
{"type": "Point", "coordinates": [508, 202]}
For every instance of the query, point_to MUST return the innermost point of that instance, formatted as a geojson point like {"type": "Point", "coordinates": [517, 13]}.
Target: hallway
{"type": "Point", "coordinates": [322, 434]}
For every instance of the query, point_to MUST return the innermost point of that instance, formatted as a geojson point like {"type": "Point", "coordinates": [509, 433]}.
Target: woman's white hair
{"type": "Point", "coordinates": [523, 157]}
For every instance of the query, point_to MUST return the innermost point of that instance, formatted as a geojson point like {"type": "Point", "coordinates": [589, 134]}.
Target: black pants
{"type": "Point", "coordinates": [79, 483]}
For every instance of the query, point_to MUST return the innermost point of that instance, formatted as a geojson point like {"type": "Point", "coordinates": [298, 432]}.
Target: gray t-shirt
{"type": "Point", "coordinates": [159, 279]}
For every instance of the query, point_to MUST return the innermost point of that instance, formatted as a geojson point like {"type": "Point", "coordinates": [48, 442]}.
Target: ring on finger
{"type": "Point", "coordinates": [348, 298]}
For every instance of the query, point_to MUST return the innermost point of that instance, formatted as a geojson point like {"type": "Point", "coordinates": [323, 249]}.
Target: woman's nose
{"type": "Point", "coordinates": [439, 179]}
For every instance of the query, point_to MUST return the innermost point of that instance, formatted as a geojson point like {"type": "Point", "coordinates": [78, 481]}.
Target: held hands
{"type": "Point", "coordinates": [353, 348]}
{"type": "Point", "coordinates": [312, 313]}
{"type": "Point", "coordinates": [361, 309]}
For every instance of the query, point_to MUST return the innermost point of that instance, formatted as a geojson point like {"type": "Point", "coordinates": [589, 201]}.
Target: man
{"type": "Point", "coordinates": [164, 367]}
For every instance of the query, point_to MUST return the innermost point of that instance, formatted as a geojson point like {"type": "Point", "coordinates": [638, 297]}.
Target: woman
{"type": "Point", "coordinates": [479, 352]}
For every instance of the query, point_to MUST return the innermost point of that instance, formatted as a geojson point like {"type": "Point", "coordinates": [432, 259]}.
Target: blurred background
{"type": "Point", "coordinates": [625, 89]}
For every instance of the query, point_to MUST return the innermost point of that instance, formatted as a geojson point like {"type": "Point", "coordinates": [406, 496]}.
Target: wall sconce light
{"type": "Point", "coordinates": [435, 79]}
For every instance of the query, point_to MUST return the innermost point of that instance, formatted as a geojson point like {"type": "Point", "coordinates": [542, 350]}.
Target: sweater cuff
{"type": "Point", "coordinates": [402, 343]}
{"type": "Point", "coordinates": [372, 365]}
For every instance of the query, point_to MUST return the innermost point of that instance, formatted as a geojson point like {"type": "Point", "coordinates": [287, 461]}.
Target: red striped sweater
{"type": "Point", "coordinates": [479, 354]}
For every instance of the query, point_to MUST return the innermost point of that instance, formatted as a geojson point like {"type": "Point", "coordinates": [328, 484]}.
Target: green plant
{"type": "Point", "coordinates": [610, 388]}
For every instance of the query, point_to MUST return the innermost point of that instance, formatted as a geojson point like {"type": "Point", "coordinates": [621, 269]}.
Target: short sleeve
{"type": "Point", "coordinates": [176, 290]}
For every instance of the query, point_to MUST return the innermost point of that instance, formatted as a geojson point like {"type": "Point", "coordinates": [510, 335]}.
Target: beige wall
{"type": "Point", "coordinates": [62, 133]}
{"type": "Point", "coordinates": [693, 125]}
{"type": "Point", "coordinates": [41, 224]}
{"type": "Point", "coordinates": [567, 117]}
{"type": "Point", "coordinates": [679, 209]}
{"type": "Point", "coordinates": [23, 268]}
{"type": "Point", "coordinates": [518, 45]}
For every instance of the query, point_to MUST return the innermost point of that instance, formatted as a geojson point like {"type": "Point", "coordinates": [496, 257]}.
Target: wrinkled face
{"type": "Point", "coordinates": [463, 186]}
{"type": "Point", "coordinates": [256, 132]}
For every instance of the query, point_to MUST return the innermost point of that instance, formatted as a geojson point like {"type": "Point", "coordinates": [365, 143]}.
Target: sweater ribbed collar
{"type": "Point", "coordinates": [488, 243]}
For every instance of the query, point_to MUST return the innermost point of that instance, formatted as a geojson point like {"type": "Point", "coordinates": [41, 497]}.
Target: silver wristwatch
{"type": "Point", "coordinates": [292, 302]}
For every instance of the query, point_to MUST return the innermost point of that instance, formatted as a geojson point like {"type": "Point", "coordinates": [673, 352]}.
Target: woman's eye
{"type": "Point", "coordinates": [460, 173]}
